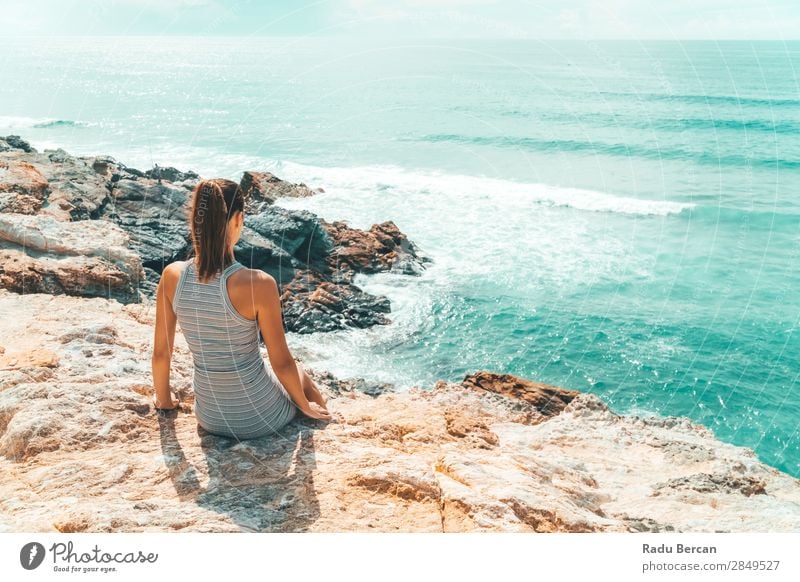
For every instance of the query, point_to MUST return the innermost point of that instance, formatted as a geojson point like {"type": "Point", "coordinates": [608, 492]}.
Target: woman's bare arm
{"type": "Point", "coordinates": [270, 321]}
{"type": "Point", "coordinates": [163, 343]}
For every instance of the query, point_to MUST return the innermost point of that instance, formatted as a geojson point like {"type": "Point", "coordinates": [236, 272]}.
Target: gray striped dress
{"type": "Point", "coordinates": [237, 394]}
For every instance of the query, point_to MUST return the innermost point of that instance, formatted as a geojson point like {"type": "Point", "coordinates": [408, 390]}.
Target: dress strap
{"type": "Point", "coordinates": [223, 288]}
{"type": "Point", "coordinates": [232, 268]}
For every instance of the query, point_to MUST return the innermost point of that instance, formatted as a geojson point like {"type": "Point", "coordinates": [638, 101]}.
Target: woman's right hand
{"type": "Point", "coordinates": [316, 411]}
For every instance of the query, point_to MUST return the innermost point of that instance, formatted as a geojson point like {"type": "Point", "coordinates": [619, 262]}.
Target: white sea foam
{"type": "Point", "coordinates": [361, 353]}
{"type": "Point", "coordinates": [437, 183]}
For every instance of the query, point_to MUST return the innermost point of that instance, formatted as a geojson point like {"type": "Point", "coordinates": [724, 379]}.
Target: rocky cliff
{"type": "Point", "coordinates": [82, 449]}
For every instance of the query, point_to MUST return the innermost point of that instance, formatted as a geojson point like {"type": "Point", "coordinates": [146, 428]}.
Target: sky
{"type": "Point", "coordinates": [567, 19]}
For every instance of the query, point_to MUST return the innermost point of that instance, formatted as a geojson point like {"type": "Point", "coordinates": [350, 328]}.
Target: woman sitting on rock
{"type": "Point", "coordinates": [221, 305]}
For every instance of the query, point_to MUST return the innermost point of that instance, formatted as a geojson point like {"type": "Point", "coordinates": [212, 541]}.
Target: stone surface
{"type": "Point", "coordinates": [14, 142]}
{"type": "Point", "coordinates": [39, 254]}
{"type": "Point", "coordinates": [298, 232]}
{"type": "Point", "coordinates": [37, 358]}
{"type": "Point", "coordinates": [81, 449]}
{"type": "Point", "coordinates": [155, 215]}
{"type": "Point", "coordinates": [22, 187]}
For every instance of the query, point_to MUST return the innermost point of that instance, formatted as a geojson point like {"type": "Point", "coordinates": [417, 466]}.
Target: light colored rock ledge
{"type": "Point", "coordinates": [82, 450]}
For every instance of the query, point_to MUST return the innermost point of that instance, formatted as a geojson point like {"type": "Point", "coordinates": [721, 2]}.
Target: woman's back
{"type": "Point", "coordinates": [236, 393]}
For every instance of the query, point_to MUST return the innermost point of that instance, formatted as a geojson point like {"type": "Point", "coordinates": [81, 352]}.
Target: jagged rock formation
{"type": "Point", "coordinates": [490, 453]}
{"type": "Point", "coordinates": [312, 260]}
{"type": "Point", "coordinates": [263, 188]}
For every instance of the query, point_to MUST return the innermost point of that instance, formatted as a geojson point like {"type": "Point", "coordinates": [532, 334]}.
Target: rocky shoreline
{"type": "Point", "coordinates": [83, 241]}
{"type": "Point", "coordinates": [93, 227]}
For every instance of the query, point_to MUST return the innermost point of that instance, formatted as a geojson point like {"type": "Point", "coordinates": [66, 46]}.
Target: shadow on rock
{"type": "Point", "coordinates": [263, 484]}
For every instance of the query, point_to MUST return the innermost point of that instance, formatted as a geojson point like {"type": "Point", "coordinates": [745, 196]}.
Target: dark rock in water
{"type": "Point", "coordinates": [311, 304]}
{"type": "Point", "coordinates": [382, 248]}
{"type": "Point", "coordinates": [122, 171]}
{"type": "Point", "coordinates": [298, 232]}
{"type": "Point", "coordinates": [262, 189]}
{"type": "Point", "coordinates": [15, 142]}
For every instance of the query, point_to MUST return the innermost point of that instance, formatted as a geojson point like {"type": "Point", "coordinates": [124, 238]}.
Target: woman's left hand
{"type": "Point", "coordinates": [170, 405]}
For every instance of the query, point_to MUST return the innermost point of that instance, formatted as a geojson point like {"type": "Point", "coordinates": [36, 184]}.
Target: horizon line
{"type": "Point", "coordinates": [401, 37]}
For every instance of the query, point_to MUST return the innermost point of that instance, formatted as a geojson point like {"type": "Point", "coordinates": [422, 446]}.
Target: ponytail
{"type": "Point", "coordinates": [214, 202]}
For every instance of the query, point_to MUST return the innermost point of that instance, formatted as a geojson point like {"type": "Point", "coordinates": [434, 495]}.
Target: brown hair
{"type": "Point", "coordinates": [214, 203]}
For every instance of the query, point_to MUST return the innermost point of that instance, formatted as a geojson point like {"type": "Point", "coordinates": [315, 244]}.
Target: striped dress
{"type": "Point", "coordinates": [237, 394]}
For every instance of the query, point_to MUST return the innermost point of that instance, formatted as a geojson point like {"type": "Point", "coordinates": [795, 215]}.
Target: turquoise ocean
{"type": "Point", "coordinates": [621, 218]}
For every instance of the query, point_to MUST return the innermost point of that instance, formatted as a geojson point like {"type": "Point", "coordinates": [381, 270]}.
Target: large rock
{"type": "Point", "coordinates": [298, 232]}
{"type": "Point", "coordinates": [39, 254]}
{"type": "Point", "coordinates": [259, 252]}
{"type": "Point", "coordinates": [263, 188]}
{"type": "Point", "coordinates": [171, 174]}
{"type": "Point", "coordinates": [75, 187]}
{"type": "Point", "coordinates": [77, 424]}
{"type": "Point", "coordinates": [381, 248]}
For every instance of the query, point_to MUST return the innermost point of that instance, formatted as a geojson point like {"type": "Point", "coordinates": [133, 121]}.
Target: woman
{"type": "Point", "coordinates": [221, 306]}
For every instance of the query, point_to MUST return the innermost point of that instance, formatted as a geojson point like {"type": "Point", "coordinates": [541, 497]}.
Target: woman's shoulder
{"type": "Point", "coordinates": [175, 268]}
{"type": "Point", "coordinates": [171, 275]}
{"type": "Point", "coordinates": [250, 276]}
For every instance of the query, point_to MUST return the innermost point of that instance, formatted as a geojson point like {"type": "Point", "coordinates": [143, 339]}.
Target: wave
{"type": "Point", "coordinates": [594, 118]}
{"type": "Point", "coordinates": [14, 122]}
{"type": "Point", "coordinates": [680, 124]}
{"type": "Point", "coordinates": [472, 189]}
{"type": "Point", "coordinates": [707, 99]}
{"type": "Point", "coordinates": [59, 123]}
{"type": "Point", "coordinates": [601, 202]}
{"type": "Point", "coordinates": [712, 124]}
{"type": "Point", "coordinates": [614, 149]}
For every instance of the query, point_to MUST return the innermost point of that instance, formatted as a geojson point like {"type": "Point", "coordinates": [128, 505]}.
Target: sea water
{"type": "Point", "coordinates": [621, 218]}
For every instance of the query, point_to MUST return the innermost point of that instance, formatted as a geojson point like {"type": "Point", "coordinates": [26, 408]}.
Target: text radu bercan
{"type": "Point", "coordinates": [677, 549]}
